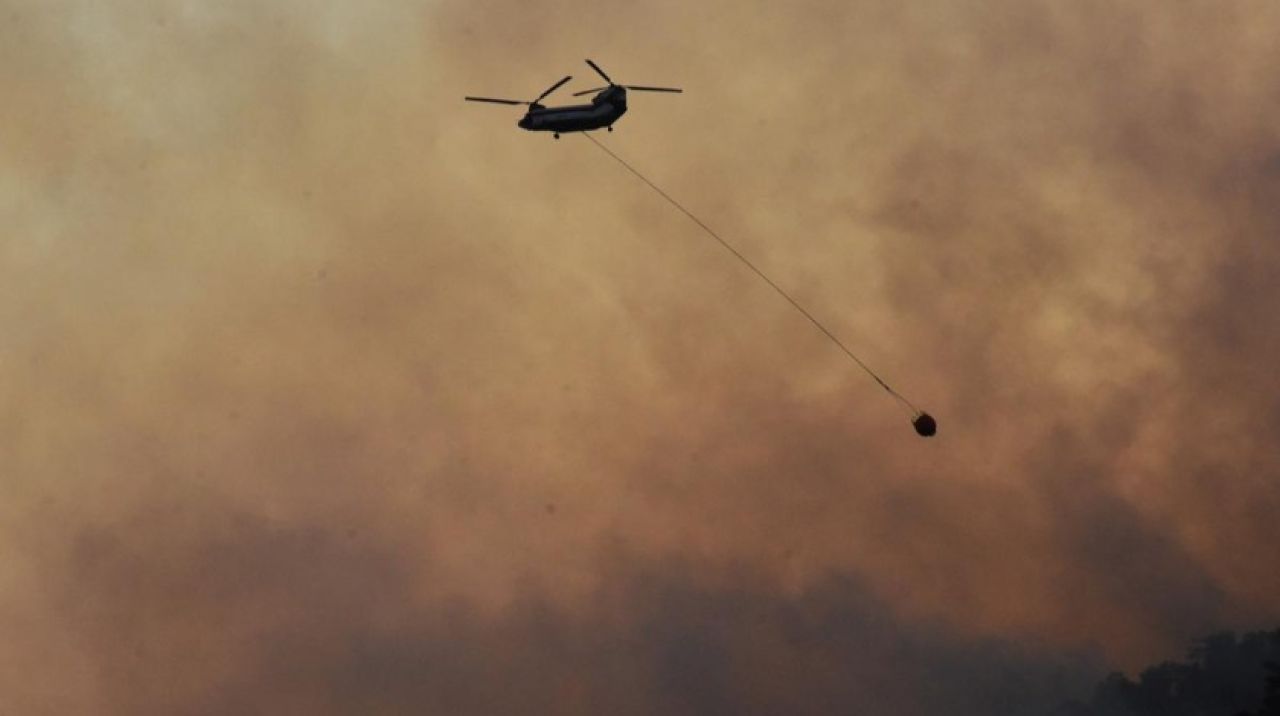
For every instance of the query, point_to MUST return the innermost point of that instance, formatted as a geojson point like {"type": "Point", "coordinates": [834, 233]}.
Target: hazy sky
{"type": "Point", "coordinates": [323, 391]}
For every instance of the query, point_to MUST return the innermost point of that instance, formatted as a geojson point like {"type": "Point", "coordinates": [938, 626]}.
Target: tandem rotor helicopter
{"type": "Point", "coordinates": [606, 107]}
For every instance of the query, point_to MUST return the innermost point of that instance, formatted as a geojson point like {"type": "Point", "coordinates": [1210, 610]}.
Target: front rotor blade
{"type": "Point", "coordinates": [590, 91]}
{"type": "Point", "coordinates": [596, 67]}
{"type": "Point", "coordinates": [554, 87]}
{"type": "Point", "coordinates": [652, 89]}
{"type": "Point", "coordinates": [495, 101]}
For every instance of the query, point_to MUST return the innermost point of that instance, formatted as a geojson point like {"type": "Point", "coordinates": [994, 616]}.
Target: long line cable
{"type": "Point", "coordinates": [747, 262]}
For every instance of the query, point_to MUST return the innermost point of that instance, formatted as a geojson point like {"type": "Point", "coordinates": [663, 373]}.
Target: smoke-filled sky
{"type": "Point", "coordinates": [323, 391]}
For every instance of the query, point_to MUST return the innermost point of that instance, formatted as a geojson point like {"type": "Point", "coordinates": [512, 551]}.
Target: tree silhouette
{"type": "Point", "coordinates": [1223, 676]}
{"type": "Point", "coordinates": [1271, 702]}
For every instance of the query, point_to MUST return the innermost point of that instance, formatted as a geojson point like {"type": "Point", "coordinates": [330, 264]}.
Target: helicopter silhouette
{"type": "Point", "coordinates": [608, 104]}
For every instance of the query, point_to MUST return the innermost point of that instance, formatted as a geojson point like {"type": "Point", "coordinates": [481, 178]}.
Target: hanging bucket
{"type": "Point", "coordinates": [925, 425]}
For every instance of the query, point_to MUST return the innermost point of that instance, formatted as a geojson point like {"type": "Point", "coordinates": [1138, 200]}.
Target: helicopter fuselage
{"type": "Point", "coordinates": [604, 110]}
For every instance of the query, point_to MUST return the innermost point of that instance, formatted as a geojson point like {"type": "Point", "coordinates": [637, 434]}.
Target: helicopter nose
{"type": "Point", "coordinates": [523, 123]}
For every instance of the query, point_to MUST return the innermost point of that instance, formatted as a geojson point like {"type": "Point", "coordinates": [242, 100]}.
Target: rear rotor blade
{"type": "Point", "coordinates": [554, 87]}
{"type": "Point", "coordinates": [590, 91]}
{"type": "Point", "coordinates": [599, 71]}
{"type": "Point", "coordinates": [652, 89]}
{"type": "Point", "coordinates": [495, 101]}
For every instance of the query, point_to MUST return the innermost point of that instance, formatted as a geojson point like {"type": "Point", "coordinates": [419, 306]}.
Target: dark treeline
{"type": "Point", "coordinates": [1223, 676]}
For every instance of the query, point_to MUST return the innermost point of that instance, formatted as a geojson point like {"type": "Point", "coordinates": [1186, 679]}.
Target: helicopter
{"type": "Point", "coordinates": [608, 104]}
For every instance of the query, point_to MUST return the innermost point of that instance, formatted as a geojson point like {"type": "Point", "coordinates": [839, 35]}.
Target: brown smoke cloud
{"type": "Point", "coordinates": [325, 392]}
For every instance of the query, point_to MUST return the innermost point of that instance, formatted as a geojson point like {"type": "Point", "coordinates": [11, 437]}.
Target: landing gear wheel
{"type": "Point", "coordinates": [557, 135]}
{"type": "Point", "coordinates": [610, 128]}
